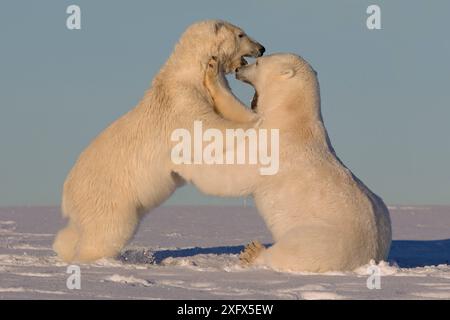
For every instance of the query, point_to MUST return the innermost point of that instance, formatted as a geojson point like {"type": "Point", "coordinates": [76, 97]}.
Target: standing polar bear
{"type": "Point", "coordinates": [127, 169]}
{"type": "Point", "coordinates": [321, 216]}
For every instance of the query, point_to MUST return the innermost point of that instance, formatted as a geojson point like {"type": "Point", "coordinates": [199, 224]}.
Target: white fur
{"type": "Point", "coordinates": [321, 216]}
{"type": "Point", "coordinates": [127, 169]}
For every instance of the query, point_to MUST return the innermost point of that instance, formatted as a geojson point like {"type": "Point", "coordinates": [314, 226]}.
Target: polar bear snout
{"type": "Point", "coordinates": [251, 49]}
{"type": "Point", "coordinates": [261, 50]}
{"type": "Point", "coordinates": [257, 51]}
{"type": "Point", "coordinates": [243, 73]}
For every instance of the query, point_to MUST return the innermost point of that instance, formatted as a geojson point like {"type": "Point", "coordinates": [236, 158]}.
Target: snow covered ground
{"type": "Point", "coordinates": [191, 253]}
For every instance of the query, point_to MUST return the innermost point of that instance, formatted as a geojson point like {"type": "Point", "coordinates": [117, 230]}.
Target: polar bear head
{"type": "Point", "coordinates": [282, 81]}
{"type": "Point", "coordinates": [217, 38]}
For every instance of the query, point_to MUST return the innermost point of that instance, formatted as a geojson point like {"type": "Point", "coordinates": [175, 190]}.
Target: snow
{"type": "Point", "coordinates": [192, 253]}
{"type": "Point", "coordinates": [128, 280]}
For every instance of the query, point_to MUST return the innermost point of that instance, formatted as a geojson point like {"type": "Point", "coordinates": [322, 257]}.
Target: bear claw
{"type": "Point", "coordinates": [251, 252]}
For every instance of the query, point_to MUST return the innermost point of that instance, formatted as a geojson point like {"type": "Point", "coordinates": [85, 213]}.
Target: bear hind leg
{"type": "Point", "coordinates": [66, 242]}
{"type": "Point", "coordinates": [106, 235]}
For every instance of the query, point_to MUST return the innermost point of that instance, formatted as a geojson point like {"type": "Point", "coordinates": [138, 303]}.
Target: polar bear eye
{"type": "Point", "coordinates": [241, 35]}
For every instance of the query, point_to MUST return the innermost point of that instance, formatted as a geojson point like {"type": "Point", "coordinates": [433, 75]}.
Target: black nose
{"type": "Point", "coordinates": [262, 50]}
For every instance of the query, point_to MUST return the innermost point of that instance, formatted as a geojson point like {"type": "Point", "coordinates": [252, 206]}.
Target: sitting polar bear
{"type": "Point", "coordinates": [127, 169]}
{"type": "Point", "coordinates": [321, 216]}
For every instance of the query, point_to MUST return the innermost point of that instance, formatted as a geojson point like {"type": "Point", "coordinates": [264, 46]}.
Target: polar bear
{"type": "Point", "coordinates": [127, 169]}
{"type": "Point", "coordinates": [322, 218]}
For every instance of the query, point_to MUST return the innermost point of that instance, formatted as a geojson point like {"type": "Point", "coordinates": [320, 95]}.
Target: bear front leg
{"type": "Point", "coordinates": [225, 102]}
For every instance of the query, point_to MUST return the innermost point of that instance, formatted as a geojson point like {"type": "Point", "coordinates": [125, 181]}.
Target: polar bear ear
{"type": "Point", "coordinates": [287, 73]}
{"type": "Point", "coordinates": [218, 26]}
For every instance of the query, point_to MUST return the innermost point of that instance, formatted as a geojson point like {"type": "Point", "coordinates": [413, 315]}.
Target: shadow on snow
{"type": "Point", "coordinates": [406, 253]}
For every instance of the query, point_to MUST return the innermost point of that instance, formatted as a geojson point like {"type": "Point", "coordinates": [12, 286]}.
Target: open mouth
{"type": "Point", "coordinates": [254, 103]}
{"type": "Point", "coordinates": [243, 61]}
{"type": "Point", "coordinates": [237, 63]}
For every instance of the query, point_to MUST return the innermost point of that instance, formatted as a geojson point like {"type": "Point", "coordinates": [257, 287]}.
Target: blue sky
{"type": "Point", "coordinates": [385, 93]}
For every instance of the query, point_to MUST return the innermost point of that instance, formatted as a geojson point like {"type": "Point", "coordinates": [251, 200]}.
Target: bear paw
{"type": "Point", "coordinates": [211, 78]}
{"type": "Point", "coordinates": [251, 252]}
{"type": "Point", "coordinates": [213, 67]}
